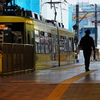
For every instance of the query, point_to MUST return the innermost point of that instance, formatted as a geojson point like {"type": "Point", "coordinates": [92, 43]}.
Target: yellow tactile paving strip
{"type": "Point", "coordinates": [67, 68]}
{"type": "Point", "coordinates": [77, 77]}
{"type": "Point", "coordinates": [62, 87]}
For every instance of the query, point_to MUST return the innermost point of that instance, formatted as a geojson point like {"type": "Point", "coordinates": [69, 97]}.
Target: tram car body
{"type": "Point", "coordinates": [48, 45]}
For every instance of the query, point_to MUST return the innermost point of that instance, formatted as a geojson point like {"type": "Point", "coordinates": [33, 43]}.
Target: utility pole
{"type": "Point", "coordinates": [76, 26]}
{"type": "Point", "coordinates": [77, 20]}
{"type": "Point", "coordinates": [95, 25]}
{"type": "Point", "coordinates": [76, 37]}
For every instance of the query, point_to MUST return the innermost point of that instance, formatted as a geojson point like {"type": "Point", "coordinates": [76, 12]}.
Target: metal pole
{"type": "Point", "coordinates": [51, 3]}
{"type": "Point", "coordinates": [77, 31]}
{"type": "Point", "coordinates": [77, 19]}
{"type": "Point", "coordinates": [58, 47]}
{"type": "Point", "coordinates": [55, 12]}
{"type": "Point", "coordinates": [95, 25]}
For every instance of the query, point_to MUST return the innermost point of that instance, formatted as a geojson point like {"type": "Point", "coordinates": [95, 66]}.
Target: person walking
{"type": "Point", "coordinates": [87, 44]}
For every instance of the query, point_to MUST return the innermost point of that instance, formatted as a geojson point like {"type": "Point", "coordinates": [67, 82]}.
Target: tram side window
{"type": "Point", "coordinates": [54, 43]}
{"type": "Point", "coordinates": [42, 41]}
{"type": "Point", "coordinates": [12, 36]}
{"type": "Point", "coordinates": [37, 41]}
{"type": "Point", "coordinates": [47, 50]}
{"type": "Point", "coordinates": [63, 44]}
{"type": "Point", "coordinates": [67, 43]}
{"type": "Point", "coordinates": [50, 42]}
{"type": "Point", "coordinates": [45, 42]}
{"type": "Point", "coordinates": [70, 44]}
{"type": "Point", "coordinates": [12, 32]}
{"type": "Point", "coordinates": [30, 37]}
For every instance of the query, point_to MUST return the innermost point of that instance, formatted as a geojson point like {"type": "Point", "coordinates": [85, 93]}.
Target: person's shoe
{"type": "Point", "coordinates": [87, 70]}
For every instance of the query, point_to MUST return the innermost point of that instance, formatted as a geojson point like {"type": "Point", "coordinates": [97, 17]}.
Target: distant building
{"type": "Point", "coordinates": [70, 18]}
{"type": "Point", "coordinates": [89, 19]}
{"type": "Point", "coordinates": [33, 5]}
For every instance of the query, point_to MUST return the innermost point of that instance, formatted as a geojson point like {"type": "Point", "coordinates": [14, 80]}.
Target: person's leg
{"type": "Point", "coordinates": [87, 55]}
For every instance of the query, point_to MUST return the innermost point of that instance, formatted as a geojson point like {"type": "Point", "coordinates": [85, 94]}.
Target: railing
{"type": "Point", "coordinates": [16, 58]}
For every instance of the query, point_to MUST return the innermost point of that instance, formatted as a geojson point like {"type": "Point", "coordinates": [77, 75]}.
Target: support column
{"type": "Point", "coordinates": [95, 25]}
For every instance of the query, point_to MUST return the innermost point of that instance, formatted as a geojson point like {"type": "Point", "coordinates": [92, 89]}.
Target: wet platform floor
{"type": "Point", "coordinates": [69, 82]}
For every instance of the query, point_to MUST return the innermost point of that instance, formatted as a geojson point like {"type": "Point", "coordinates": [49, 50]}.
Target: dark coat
{"type": "Point", "coordinates": [87, 43]}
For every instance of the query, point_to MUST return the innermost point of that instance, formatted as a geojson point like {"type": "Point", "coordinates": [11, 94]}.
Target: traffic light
{"type": "Point", "coordinates": [75, 27]}
{"type": "Point", "coordinates": [76, 39]}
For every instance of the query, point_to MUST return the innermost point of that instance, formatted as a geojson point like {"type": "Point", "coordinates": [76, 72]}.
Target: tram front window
{"type": "Point", "coordinates": [12, 33]}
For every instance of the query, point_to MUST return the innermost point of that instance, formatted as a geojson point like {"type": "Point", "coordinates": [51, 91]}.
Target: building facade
{"type": "Point", "coordinates": [33, 5]}
{"type": "Point", "coordinates": [89, 9]}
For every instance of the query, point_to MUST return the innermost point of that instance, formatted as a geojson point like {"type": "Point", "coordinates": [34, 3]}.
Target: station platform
{"type": "Point", "coordinates": [69, 82]}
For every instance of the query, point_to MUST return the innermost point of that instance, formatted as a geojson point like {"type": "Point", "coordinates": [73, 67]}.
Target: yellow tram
{"type": "Point", "coordinates": [34, 42]}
